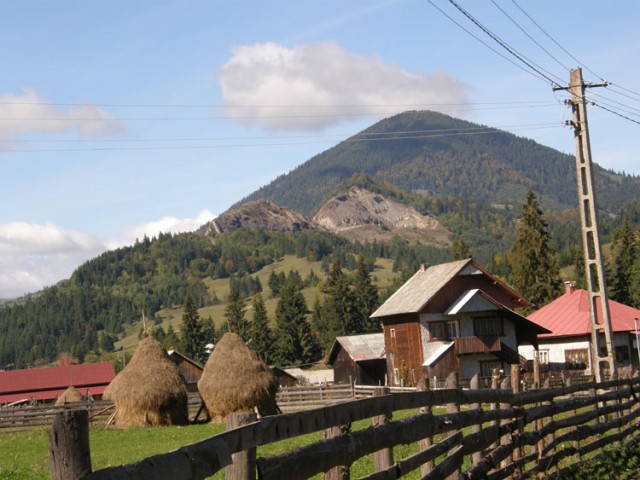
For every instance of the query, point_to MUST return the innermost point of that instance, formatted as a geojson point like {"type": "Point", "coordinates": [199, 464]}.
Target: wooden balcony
{"type": "Point", "coordinates": [467, 345]}
{"type": "Point", "coordinates": [470, 345]}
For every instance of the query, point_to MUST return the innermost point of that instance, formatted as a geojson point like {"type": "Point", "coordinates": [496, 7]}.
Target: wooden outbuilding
{"type": "Point", "coordinates": [359, 359]}
{"type": "Point", "coordinates": [189, 370]}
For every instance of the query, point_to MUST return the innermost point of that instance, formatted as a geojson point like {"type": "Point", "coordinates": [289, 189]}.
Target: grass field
{"type": "Point", "coordinates": [382, 276]}
{"type": "Point", "coordinates": [25, 455]}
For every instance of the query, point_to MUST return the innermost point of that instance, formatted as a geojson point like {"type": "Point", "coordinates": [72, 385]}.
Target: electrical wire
{"type": "Point", "coordinates": [529, 36]}
{"type": "Point", "coordinates": [536, 68]}
{"type": "Point", "coordinates": [483, 42]}
{"type": "Point", "coordinates": [392, 136]}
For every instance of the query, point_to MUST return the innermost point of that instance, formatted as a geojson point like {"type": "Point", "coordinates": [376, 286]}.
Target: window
{"type": "Point", "coordinates": [622, 355]}
{"type": "Point", "coordinates": [487, 326]}
{"type": "Point", "coordinates": [453, 330]}
{"type": "Point", "coordinates": [544, 357]}
{"type": "Point", "coordinates": [437, 331]}
{"type": "Point", "coordinates": [487, 368]}
{"type": "Point", "coordinates": [396, 376]}
{"type": "Point", "coordinates": [576, 359]}
{"type": "Point", "coordinates": [392, 333]}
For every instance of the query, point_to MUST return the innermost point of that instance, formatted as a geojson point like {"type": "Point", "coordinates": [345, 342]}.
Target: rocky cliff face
{"type": "Point", "coordinates": [260, 214]}
{"type": "Point", "coordinates": [362, 215]}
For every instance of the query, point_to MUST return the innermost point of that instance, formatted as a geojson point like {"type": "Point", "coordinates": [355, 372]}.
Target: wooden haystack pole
{"type": "Point", "coordinates": [70, 395]}
{"type": "Point", "coordinates": [149, 390]}
{"type": "Point", "coordinates": [236, 380]}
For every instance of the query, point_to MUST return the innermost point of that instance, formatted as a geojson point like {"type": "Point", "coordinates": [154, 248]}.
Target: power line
{"type": "Point", "coordinates": [529, 36]}
{"type": "Point", "coordinates": [483, 42]}
{"type": "Point", "coordinates": [504, 45]}
{"type": "Point", "coordinates": [615, 113]}
{"type": "Point", "coordinates": [354, 139]}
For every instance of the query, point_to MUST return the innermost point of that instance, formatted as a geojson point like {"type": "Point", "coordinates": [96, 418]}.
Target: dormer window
{"type": "Point", "coordinates": [488, 327]}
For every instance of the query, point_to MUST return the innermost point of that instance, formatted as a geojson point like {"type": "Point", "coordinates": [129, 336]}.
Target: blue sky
{"type": "Point", "coordinates": [124, 118]}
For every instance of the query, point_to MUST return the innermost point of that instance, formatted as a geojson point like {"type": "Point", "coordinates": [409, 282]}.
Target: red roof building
{"type": "Point", "coordinates": [47, 384]}
{"type": "Point", "coordinates": [568, 318]}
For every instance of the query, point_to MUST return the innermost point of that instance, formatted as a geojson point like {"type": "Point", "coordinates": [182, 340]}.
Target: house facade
{"type": "Point", "coordinates": [453, 317]}
{"type": "Point", "coordinates": [359, 359]}
{"type": "Point", "coordinates": [567, 346]}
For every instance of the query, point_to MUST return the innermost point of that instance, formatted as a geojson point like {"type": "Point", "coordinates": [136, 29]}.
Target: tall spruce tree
{"type": "Point", "coordinates": [338, 307]}
{"type": "Point", "coordinates": [295, 343]}
{"type": "Point", "coordinates": [192, 340]}
{"type": "Point", "coordinates": [260, 332]}
{"type": "Point", "coordinates": [365, 296]}
{"type": "Point", "coordinates": [535, 269]}
{"type": "Point", "coordinates": [234, 313]}
{"type": "Point", "coordinates": [624, 256]}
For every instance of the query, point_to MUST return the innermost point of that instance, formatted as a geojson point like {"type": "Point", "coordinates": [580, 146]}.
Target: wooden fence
{"type": "Point", "coordinates": [29, 417]}
{"type": "Point", "coordinates": [478, 433]}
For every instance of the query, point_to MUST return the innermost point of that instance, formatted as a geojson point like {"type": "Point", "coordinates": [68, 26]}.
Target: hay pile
{"type": "Point", "coordinates": [70, 395]}
{"type": "Point", "coordinates": [149, 390]}
{"type": "Point", "coordinates": [236, 380]}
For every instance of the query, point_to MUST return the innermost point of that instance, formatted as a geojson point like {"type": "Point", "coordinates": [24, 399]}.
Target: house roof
{"type": "Point", "coordinates": [176, 355]}
{"type": "Point", "coordinates": [50, 382]}
{"type": "Point", "coordinates": [360, 348]}
{"type": "Point", "coordinates": [568, 315]}
{"type": "Point", "coordinates": [419, 289]}
{"type": "Point", "coordinates": [416, 293]}
{"type": "Point", "coordinates": [478, 301]}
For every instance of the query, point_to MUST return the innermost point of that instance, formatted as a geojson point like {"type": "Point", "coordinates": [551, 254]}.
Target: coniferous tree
{"type": "Point", "coordinates": [295, 344]}
{"type": "Point", "coordinates": [171, 339]}
{"type": "Point", "coordinates": [624, 256]}
{"type": "Point", "coordinates": [261, 335]}
{"type": "Point", "coordinates": [209, 332]}
{"type": "Point", "coordinates": [535, 269]}
{"type": "Point", "coordinates": [338, 306]}
{"type": "Point", "coordinates": [234, 313]}
{"type": "Point", "coordinates": [192, 341]}
{"type": "Point", "coordinates": [365, 296]}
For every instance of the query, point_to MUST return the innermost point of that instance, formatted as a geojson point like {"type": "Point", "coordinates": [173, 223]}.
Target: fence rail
{"type": "Point", "coordinates": [492, 433]}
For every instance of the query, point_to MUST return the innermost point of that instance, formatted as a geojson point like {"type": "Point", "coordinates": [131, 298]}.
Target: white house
{"type": "Point", "coordinates": [568, 318]}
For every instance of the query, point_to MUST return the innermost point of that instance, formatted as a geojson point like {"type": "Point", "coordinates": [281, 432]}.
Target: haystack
{"type": "Point", "coordinates": [236, 380]}
{"type": "Point", "coordinates": [149, 390]}
{"type": "Point", "coordinates": [70, 395]}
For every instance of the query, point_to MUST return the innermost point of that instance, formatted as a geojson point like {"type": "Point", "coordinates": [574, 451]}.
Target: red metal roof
{"type": "Point", "coordinates": [568, 315]}
{"type": "Point", "coordinates": [49, 382]}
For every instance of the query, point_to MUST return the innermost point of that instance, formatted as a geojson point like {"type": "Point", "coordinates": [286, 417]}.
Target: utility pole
{"type": "Point", "coordinates": [602, 351]}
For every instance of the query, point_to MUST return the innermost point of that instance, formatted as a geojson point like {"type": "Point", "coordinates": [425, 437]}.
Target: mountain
{"type": "Point", "coordinates": [362, 215]}
{"type": "Point", "coordinates": [259, 214]}
{"type": "Point", "coordinates": [441, 156]}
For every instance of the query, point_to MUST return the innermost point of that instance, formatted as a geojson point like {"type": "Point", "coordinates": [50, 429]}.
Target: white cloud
{"type": "Point", "coordinates": [128, 235]}
{"type": "Point", "coordinates": [29, 113]}
{"type": "Point", "coordinates": [33, 256]}
{"type": "Point", "coordinates": [260, 80]}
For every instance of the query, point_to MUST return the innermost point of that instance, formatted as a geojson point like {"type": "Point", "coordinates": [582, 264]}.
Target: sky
{"type": "Point", "coordinates": [122, 118]}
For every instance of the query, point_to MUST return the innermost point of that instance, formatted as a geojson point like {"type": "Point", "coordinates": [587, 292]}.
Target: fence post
{"type": "Point", "coordinates": [427, 442]}
{"type": "Point", "coordinates": [341, 472]}
{"type": "Point", "coordinates": [495, 384]}
{"type": "Point", "coordinates": [475, 428]}
{"type": "Point", "coordinates": [69, 452]}
{"type": "Point", "coordinates": [452, 383]}
{"type": "Point", "coordinates": [382, 459]}
{"type": "Point", "coordinates": [507, 439]}
{"type": "Point", "coordinates": [552, 435]}
{"type": "Point", "coordinates": [576, 442]}
{"type": "Point", "coordinates": [244, 463]}
{"type": "Point", "coordinates": [515, 388]}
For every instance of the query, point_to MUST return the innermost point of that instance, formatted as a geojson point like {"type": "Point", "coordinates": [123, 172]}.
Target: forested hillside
{"type": "Point", "coordinates": [442, 156]}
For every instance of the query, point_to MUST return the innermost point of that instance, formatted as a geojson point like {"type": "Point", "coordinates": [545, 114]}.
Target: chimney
{"type": "Point", "coordinates": [569, 287]}
{"type": "Point", "coordinates": [423, 267]}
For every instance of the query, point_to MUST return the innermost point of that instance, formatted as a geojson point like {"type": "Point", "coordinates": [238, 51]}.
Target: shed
{"type": "Point", "coordinates": [189, 370]}
{"type": "Point", "coordinates": [359, 358]}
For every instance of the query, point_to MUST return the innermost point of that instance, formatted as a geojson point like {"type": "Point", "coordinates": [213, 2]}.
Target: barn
{"type": "Point", "coordinates": [48, 383]}
{"type": "Point", "coordinates": [359, 359]}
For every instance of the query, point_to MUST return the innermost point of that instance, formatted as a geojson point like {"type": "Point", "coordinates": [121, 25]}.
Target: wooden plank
{"type": "Point", "coordinates": [69, 453]}
{"type": "Point", "coordinates": [243, 465]}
